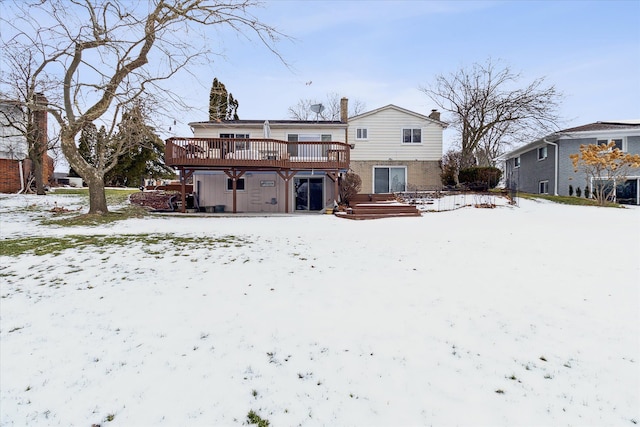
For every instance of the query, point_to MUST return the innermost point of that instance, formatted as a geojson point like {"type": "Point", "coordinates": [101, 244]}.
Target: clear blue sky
{"type": "Point", "coordinates": [382, 52]}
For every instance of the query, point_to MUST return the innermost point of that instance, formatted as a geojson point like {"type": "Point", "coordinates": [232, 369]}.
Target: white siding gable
{"type": "Point", "coordinates": [384, 136]}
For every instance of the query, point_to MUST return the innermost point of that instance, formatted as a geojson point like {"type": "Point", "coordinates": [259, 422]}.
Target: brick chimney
{"type": "Point", "coordinates": [435, 115]}
{"type": "Point", "coordinates": [344, 110]}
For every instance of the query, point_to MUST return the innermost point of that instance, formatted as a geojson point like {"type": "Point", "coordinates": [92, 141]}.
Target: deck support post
{"type": "Point", "coordinates": [286, 175]}
{"type": "Point", "coordinates": [334, 176]}
{"type": "Point", "coordinates": [235, 175]}
{"type": "Point", "coordinates": [184, 176]}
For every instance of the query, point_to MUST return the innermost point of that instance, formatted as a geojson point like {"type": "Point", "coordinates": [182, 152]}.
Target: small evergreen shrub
{"type": "Point", "coordinates": [570, 190]}
{"type": "Point", "coordinates": [578, 192]}
{"type": "Point", "coordinates": [480, 177]}
{"type": "Point", "coordinates": [586, 192]}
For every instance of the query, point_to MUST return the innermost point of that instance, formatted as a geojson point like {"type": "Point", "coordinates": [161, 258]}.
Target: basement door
{"type": "Point", "coordinates": [309, 193]}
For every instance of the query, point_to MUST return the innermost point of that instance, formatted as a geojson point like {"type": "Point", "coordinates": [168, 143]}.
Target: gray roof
{"type": "Point", "coordinates": [603, 126]}
{"type": "Point", "coordinates": [599, 126]}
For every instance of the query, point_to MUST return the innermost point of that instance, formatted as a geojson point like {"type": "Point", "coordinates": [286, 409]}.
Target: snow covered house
{"type": "Point", "coordinates": [544, 167]}
{"type": "Point", "coordinates": [396, 150]}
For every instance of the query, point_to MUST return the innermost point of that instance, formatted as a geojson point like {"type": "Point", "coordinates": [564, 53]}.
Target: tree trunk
{"type": "Point", "coordinates": [91, 175]}
{"type": "Point", "coordinates": [97, 197]}
{"type": "Point", "coordinates": [38, 174]}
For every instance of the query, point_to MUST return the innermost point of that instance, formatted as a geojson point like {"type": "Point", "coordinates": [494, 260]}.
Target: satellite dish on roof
{"type": "Point", "coordinates": [317, 108]}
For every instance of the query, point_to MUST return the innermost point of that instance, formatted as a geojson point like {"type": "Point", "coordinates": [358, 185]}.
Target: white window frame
{"type": "Point", "coordinates": [544, 150]}
{"type": "Point", "coordinates": [412, 129]}
{"type": "Point", "coordinates": [543, 187]}
{"type": "Point", "coordinates": [605, 141]}
{"type": "Point", "coordinates": [516, 162]}
{"type": "Point", "coordinates": [229, 185]}
{"type": "Point", "coordinates": [362, 134]}
{"type": "Point", "coordinates": [373, 175]}
{"type": "Point", "coordinates": [238, 145]}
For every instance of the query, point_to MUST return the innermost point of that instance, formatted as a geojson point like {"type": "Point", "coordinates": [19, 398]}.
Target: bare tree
{"type": "Point", "coordinates": [27, 94]}
{"type": "Point", "coordinates": [108, 53]}
{"type": "Point", "coordinates": [302, 110]}
{"type": "Point", "coordinates": [490, 112]}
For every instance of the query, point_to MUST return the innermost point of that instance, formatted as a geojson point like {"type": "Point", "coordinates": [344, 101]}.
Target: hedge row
{"type": "Point", "coordinates": [489, 176]}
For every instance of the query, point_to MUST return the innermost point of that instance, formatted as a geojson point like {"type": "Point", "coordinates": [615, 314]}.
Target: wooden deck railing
{"type": "Point", "coordinates": [274, 154]}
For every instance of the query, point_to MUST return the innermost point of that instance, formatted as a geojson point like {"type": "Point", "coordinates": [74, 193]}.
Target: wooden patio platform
{"type": "Point", "coordinates": [375, 206]}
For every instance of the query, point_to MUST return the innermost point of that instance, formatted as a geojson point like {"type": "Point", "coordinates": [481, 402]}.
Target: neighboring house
{"type": "Point", "coordinates": [15, 165]}
{"type": "Point", "coordinates": [544, 167]}
{"type": "Point", "coordinates": [13, 148]}
{"type": "Point", "coordinates": [396, 150]}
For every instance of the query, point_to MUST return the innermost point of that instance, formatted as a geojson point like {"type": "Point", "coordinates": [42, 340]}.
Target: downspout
{"type": "Point", "coordinates": [557, 172]}
{"type": "Point", "coordinates": [21, 177]}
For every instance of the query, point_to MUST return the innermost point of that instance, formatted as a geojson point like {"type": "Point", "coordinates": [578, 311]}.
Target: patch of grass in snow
{"type": "Point", "coordinates": [91, 220]}
{"type": "Point", "coordinates": [254, 418]}
{"type": "Point", "coordinates": [115, 196]}
{"type": "Point", "coordinates": [56, 245]}
{"type": "Point", "coordinates": [567, 200]}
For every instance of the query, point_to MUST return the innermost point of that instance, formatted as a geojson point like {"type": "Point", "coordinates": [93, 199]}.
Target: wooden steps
{"type": "Point", "coordinates": [375, 206]}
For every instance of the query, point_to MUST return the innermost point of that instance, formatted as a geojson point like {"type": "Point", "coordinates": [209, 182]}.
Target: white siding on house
{"type": "Point", "coordinates": [277, 132]}
{"type": "Point", "coordinates": [13, 144]}
{"type": "Point", "coordinates": [384, 137]}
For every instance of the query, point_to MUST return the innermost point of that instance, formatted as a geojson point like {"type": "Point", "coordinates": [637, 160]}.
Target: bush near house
{"type": "Point", "coordinates": [350, 185]}
{"type": "Point", "coordinates": [480, 178]}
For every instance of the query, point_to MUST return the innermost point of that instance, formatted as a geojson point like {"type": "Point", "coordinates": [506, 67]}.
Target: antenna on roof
{"type": "Point", "coordinates": [317, 108]}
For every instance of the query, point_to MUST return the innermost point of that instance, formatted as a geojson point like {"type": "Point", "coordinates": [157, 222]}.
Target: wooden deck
{"type": "Point", "coordinates": [237, 156]}
{"type": "Point", "coordinates": [375, 206]}
{"type": "Point", "coordinates": [255, 154]}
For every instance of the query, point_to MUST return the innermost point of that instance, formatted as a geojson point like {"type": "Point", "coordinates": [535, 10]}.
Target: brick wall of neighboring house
{"type": "Point", "coordinates": [9, 176]}
{"type": "Point", "coordinates": [10, 173]}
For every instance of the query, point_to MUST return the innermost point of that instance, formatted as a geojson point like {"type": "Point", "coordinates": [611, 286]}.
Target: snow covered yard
{"type": "Point", "coordinates": [524, 315]}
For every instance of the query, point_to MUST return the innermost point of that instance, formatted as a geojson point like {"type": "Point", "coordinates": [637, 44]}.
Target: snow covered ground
{"type": "Point", "coordinates": [518, 315]}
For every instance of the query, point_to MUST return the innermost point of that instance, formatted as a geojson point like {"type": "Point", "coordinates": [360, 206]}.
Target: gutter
{"type": "Point", "coordinates": [555, 181]}
{"type": "Point", "coordinates": [21, 177]}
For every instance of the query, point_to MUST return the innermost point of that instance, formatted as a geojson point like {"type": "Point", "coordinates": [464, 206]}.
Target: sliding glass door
{"type": "Point", "coordinates": [389, 179]}
{"type": "Point", "coordinates": [309, 194]}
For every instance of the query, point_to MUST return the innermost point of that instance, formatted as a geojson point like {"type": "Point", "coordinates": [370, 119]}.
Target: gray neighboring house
{"type": "Point", "coordinates": [544, 167]}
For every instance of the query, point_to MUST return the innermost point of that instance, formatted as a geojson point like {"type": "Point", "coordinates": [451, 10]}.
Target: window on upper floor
{"type": "Point", "coordinates": [307, 150]}
{"type": "Point", "coordinates": [362, 133]}
{"type": "Point", "coordinates": [542, 153]}
{"type": "Point", "coordinates": [516, 162]}
{"type": "Point", "coordinates": [618, 143]}
{"type": "Point", "coordinates": [238, 145]}
{"type": "Point", "coordinates": [412, 136]}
